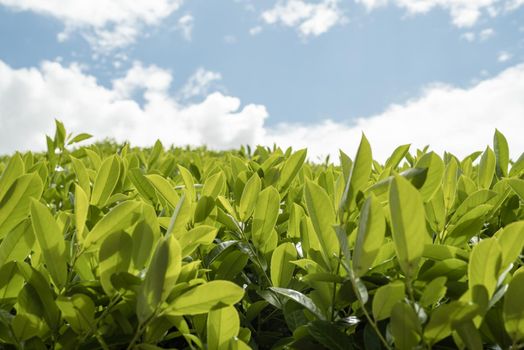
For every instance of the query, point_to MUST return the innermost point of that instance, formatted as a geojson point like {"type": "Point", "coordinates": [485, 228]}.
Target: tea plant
{"type": "Point", "coordinates": [112, 247]}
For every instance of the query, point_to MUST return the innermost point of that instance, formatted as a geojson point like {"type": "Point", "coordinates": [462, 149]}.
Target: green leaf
{"type": "Point", "coordinates": [161, 276]}
{"type": "Point", "coordinates": [511, 240]}
{"type": "Point", "coordinates": [449, 183]}
{"type": "Point", "coordinates": [18, 243]}
{"type": "Point", "coordinates": [265, 215]}
{"type": "Point", "coordinates": [49, 237]}
{"type": "Point", "coordinates": [81, 210]}
{"type": "Point", "coordinates": [517, 185]}
{"type": "Point", "coordinates": [37, 297]}
{"type": "Point", "coordinates": [514, 307]}
{"type": "Point", "coordinates": [222, 325]}
{"type": "Point", "coordinates": [281, 268]}
{"type": "Point", "coordinates": [323, 218]}
{"type": "Point", "coordinates": [396, 157]}
{"type": "Point", "coordinates": [26, 326]}
{"type": "Point", "coordinates": [302, 299]}
{"type": "Point", "coordinates": [370, 236]}
{"type": "Point", "coordinates": [105, 181]}
{"type": "Point", "coordinates": [385, 298]}
{"type": "Point", "coordinates": [79, 138]}
{"type": "Point", "coordinates": [408, 224]}
{"type": "Point", "coordinates": [11, 281]}
{"type": "Point", "coordinates": [435, 166]}
{"type": "Point", "coordinates": [434, 291]}
{"type": "Point", "coordinates": [142, 184]}
{"type": "Point", "coordinates": [114, 256]}
{"type": "Point", "coordinates": [200, 235]}
{"type": "Point", "coordinates": [82, 175]}
{"type": "Point", "coordinates": [290, 169]}
{"type": "Point", "coordinates": [405, 326]}
{"type": "Point", "coordinates": [329, 335]}
{"type": "Point", "coordinates": [79, 311]}
{"type": "Point", "coordinates": [14, 205]}
{"type": "Point", "coordinates": [60, 134]}
{"type": "Point", "coordinates": [469, 334]}
{"type": "Point", "coordinates": [485, 265]}
{"type": "Point", "coordinates": [214, 186]}
{"type": "Point", "coordinates": [165, 189]}
{"type": "Point", "coordinates": [15, 168]}
{"type": "Point", "coordinates": [119, 218]}
{"type": "Point", "coordinates": [444, 318]}
{"type": "Point", "coordinates": [486, 169]}
{"type": "Point", "coordinates": [502, 153]}
{"type": "Point", "coordinates": [359, 176]}
{"type": "Point", "coordinates": [205, 297]}
{"type": "Point", "coordinates": [189, 183]}
{"type": "Point", "coordinates": [249, 197]}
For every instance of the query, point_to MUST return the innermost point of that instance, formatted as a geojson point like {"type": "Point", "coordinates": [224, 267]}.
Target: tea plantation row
{"type": "Point", "coordinates": [112, 247]}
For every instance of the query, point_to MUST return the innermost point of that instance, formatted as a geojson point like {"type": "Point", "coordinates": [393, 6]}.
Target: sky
{"type": "Point", "coordinates": [300, 73]}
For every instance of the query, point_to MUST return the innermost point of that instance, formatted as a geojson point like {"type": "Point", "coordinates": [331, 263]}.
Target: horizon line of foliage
{"type": "Point", "coordinates": [111, 247]}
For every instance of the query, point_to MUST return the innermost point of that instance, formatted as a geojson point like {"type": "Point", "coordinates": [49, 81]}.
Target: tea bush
{"type": "Point", "coordinates": [111, 247]}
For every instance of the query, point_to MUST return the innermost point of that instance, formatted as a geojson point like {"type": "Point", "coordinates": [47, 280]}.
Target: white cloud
{"type": "Point", "coordinates": [185, 25]}
{"type": "Point", "coordinates": [464, 13]}
{"type": "Point", "coordinates": [310, 19]}
{"type": "Point", "coordinates": [199, 83]}
{"type": "Point", "coordinates": [460, 120]}
{"type": "Point", "coordinates": [255, 30]}
{"type": "Point", "coordinates": [504, 56]}
{"type": "Point", "coordinates": [31, 98]}
{"type": "Point", "coordinates": [444, 117]}
{"type": "Point", "coordinates": [487, 33]}
{"type": "Point", "coordinates": [106, 25]}
{"type": "Point", "coordinates": [483, 35]}
{"type": "Point", "coordinates": [469, 36]}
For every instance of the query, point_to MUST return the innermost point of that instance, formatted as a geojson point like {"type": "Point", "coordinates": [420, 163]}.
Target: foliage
{"type": "Point", "coordinates": [112, 247]}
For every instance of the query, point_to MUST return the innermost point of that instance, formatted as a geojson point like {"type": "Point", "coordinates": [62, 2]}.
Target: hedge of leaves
{"type": "Point", "coordinates": [112, 247]}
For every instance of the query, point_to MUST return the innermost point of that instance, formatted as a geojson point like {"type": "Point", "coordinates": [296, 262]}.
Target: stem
{"type": "Point", "coordinates": [101, 341]}
{"type": "Point", "coordinates": [335, 286]}
{"type": "Point", "coordinates": [140, 329]}
{"type": "Point", "coordinates": [368, 317]}
{"type": "Point", "coordinates": [253, 253]}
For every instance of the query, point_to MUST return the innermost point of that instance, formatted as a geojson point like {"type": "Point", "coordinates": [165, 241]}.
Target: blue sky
{"type": "Point", "coordinates": [287, 71]}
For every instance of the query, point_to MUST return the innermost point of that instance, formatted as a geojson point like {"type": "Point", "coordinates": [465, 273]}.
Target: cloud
{"type": "Point", "coordinates": [444, 117]}
{"type": "Point", "coordinates": [106, 25]}
{"type": "Point", "coordinates": [255, 30]}
{"type": "Point", "coordinates": [310, 19]}
{"type": "Point", "coordinates": [487, 33]}
{"type": "Point", "coordinates": [483, 35]}
{"type": "Point", "coordinates": [185, 25]}
{"type": "Point", "coordinates": [30, 99]}
{"type": "Point", "coordinates": [199, 83]}
{"type": "Point", "coordinates": [504, 56]}
{"type": "Point", "coordinates": [460, 120]}
{"type": "Point", "coordinates": [464, 13]}
{"type": "Point", "coordinates": [469, 36]}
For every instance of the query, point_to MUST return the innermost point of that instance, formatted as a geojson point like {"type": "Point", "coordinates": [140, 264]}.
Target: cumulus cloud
{"type": "Point", "coordinates": [106, 25]}
{"type": "Point", "coordinates": [255, 30]}
{"type": "Point", "coordinates": [445, 117]}
{"type": "Point", "coordinates": [310, 19]}
{"type": "Point", "coordinates": [460, 120]}
{"type": "Point", "coordinates": [464, 13]}
{"type": "Point", "coordinates": [469, 36]}
{"type": "Point", "coordinates": [504, 56]}
{"type": "Point", "coordinates": [185, 25]}
{"type": "Point", "coordinates": [31, 98]}
{"type": "Point", "coordinates": [199, 83]}
{"type": "Point", "coordinates": [487, 33]}
{"type": "Point", "coordinates": [483, 35]}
